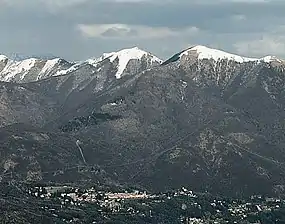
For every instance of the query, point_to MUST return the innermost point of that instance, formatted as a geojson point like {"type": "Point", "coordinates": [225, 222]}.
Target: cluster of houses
{"type": "Point", "coordinates": [114, 202]}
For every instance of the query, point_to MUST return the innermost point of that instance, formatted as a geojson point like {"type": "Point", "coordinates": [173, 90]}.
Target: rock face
{"type": "Point", "coordinates": [205, 119]}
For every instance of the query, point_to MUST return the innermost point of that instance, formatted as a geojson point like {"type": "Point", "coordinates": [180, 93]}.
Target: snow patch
{"type": "Point", "coordinates": [184, 84]}
{"type": "Point", "coordinates": [71, 69]}
{"type": "Point", "coordinates": [270, 58]}
{"type": "Point", "coordinates": [49, 65]}
{"type": "Point", "coordinates": [94, 61]}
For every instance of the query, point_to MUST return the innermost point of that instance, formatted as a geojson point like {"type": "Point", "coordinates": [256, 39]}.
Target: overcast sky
{"type": "Point", "coordinates": [79, 29]}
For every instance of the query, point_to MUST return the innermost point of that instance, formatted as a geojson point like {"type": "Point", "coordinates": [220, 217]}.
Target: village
{"type": "Point", "coordinates": [187, 206]}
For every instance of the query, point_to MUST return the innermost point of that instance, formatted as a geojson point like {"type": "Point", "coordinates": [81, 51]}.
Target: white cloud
{"type": "Point", "coordinates": [267, 44]}
{"type": "Point", "coordinates": [119, 31]}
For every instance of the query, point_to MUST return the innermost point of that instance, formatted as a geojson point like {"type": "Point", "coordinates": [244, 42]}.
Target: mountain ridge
{"type": "Point", "coordinates": [17, 70]}
{"type": "Point", "coordinates": [32, 69]}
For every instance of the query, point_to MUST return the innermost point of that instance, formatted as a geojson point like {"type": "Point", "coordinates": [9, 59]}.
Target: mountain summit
{"type": "Point", "coordinates": [201, 52]}
{"type": "Point", "coordinates": [204, 52]}
{"type": "Point", "coordinates": [123, 57]}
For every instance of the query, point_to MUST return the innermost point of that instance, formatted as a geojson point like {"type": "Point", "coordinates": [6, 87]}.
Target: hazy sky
{"type": "Point", "coordinates": [79, 29]}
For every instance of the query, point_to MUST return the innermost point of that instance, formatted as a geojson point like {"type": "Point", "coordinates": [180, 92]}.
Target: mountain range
{"type": "Point", "coordinates": [204, 118]}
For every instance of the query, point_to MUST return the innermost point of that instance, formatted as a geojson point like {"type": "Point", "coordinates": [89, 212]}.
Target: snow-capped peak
{"type": "Point", "coordinates": [129, 53]}
{"type": "Point", "coordinates": [124, 56]}
{"type": "Point", "coordinates": [210, 53]}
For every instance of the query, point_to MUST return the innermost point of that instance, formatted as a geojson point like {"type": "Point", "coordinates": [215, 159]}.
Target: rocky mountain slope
{"type": "Point", "coordinates": [206, 119]}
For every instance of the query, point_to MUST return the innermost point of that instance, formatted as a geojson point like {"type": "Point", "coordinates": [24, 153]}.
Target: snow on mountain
{"type": "Point", "coordinates": [31, 69]}
{"type": "Point", "coordinates": [13, 68]}
{"type": "Point", "coordinates": [3, 58]}
{"type": "Point", "coordinates": [49, 65]}
{"type": "Point", "coordinates": [124, 56]}
{"type": "Point", "coordinates": [126, 61]}
{"type": "Point", "coordinates": [270, 58]}
{"type": "Point", "coordinates": [210, 53]}
{"type": "Point", "coordinates": [69, 70]}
